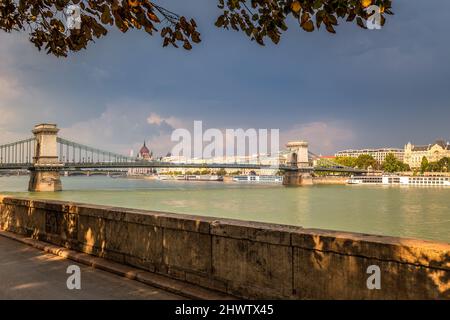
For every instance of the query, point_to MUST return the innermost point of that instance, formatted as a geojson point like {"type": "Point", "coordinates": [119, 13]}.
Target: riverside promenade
{"type": "Point", "coordinates": [212, 258]}
{"type": "Point", "coordinates": [30, 273]}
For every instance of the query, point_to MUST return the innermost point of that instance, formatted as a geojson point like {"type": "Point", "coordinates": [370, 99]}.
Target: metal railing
{"type": "Point", "coordinates": [18, 153]}
{"type": "Point", "coordinates": [70, 152]}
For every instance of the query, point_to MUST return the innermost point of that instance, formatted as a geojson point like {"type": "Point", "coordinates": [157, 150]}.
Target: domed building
{"type": "Point", "coordinates": [145, 153]}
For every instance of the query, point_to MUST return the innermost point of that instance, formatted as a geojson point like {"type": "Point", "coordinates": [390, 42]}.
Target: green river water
{"type": "Point", "coordinates": [414, 212]}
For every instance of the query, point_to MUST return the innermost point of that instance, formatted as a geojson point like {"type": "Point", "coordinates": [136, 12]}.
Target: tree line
{"type": "Point", "coordinates": [437, 166]}
{"type": "Point", "coordinates": [391, 164]}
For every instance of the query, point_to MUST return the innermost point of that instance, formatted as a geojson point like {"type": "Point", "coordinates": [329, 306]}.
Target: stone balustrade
{"type": "Point", "coordinates": [245, 259]}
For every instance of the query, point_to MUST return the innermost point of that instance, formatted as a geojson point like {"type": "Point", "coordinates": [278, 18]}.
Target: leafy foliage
{"type": "Point", "coordinates": [392, 164]}
{"type": "Point", "coordinates": [442, 165]}
{"type": "Point", "coordinates": [346, 161]}
{"type": "Point", "coordinates": [221, 172]}
{"type": "Point", "coordinates": [267, 18]}
{"type": "Point", "coordinates": [424, 165]}
{"type": "Point", "coordinates": [44, 20]}
{"type": "Point", "coordinates": [364, 161]}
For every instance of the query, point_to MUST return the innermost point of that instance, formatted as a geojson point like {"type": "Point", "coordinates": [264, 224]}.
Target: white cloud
{"type": "Point", "coordinates": [7, 136]}
{"type": "Point", "coordinates": [158, 120]}
{"type": "Point", "coordinates": [323, 137]}
{"type": "Point", "coordinates": [99, 74]}
{"type": "Point", "coordinates": [121, 129]}
{"type": "Point", "coordinates": [154, 119]}
{"type": "Point", "coordinates": [9, 87]}
{"type": "Point", "coordinates": [6, 116]}
{"type": "Point", "coordinates": [20, 102]}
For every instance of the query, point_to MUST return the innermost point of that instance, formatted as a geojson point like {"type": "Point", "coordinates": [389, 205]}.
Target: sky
{"type": "Point", "coordinates": [356, 89]}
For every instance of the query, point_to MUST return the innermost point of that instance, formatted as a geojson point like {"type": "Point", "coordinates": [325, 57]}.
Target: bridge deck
{"type": "Point", "coordinates": [157, 164]}
{"type": "Point", "coordinates": [71, 155]}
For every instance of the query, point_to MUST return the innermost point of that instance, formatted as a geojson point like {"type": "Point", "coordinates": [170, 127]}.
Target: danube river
{"type": "Point", "coordinates": [415, 212]}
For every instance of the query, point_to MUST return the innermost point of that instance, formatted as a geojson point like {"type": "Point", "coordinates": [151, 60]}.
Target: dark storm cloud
{"type": "Point", "coordinates": [387, 87]}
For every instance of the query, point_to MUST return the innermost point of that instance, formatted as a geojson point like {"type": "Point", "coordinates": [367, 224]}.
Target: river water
{"type": "Point", "coordinates": [414, 212]}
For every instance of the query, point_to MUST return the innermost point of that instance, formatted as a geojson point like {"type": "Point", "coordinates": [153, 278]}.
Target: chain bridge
{"type": "Point", "coordinates": [46, 155]}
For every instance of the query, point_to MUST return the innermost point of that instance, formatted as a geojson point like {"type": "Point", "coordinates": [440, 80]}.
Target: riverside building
{"type": "Point", "coordinates": [379, 154]}
{"type": "Point", "coordinates": [144, 155]}
{"type": "Point", "coordinates": [433, 152]}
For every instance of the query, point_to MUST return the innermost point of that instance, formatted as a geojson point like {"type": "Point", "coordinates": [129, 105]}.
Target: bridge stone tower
{"type": "Point", "coordinates": [46, 166]}
{"type": "Point", "coordinates": [297, 158]}
{"type": "Point", "coordinates": [298, 154]}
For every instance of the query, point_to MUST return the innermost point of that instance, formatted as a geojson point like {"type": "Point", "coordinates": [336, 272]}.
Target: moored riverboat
{"type": "Point", "coordinates": [401, 180]}
{"type": "Point", "coordinates": [258, 179]}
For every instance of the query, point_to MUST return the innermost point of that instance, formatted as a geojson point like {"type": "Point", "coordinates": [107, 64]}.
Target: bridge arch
{"type": "Point", "coordinates": [298, 154]}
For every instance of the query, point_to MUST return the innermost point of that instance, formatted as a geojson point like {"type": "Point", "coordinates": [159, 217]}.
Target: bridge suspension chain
{"type": "Point", "coordinates": [327, 163]}
{"type": "Point", "coordinates": [70, 152]}
{"type": "Point", "coordinates": [19, 152]}
{"type": "Point", "coordinates": [21, 155]}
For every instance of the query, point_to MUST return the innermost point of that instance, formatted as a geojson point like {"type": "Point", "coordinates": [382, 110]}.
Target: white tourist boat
{"type": "Point", "coordinates": [166, 177]}
{"type": "Point", "coordinates": [258, 179]}
{"type": "Point", "coordinates": [203, 177]}
{"type": "Point", "coordinates": [191, 177]}
{"type": "Point", "coordinates": [401, 180]}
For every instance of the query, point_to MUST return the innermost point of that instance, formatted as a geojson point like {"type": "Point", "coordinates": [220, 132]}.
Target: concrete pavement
{"type": "Point", "coordinates": [29, 273]}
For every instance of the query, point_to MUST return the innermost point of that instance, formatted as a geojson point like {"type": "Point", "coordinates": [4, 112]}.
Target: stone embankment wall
{"type": "Point", "coordinates": [246, 259]}
{"type": "Point", "coordinates": [330, 180]}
